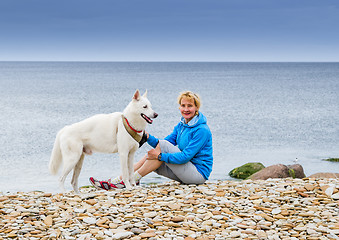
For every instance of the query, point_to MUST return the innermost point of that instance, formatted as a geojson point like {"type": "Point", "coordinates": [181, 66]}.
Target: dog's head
{"type": "Point", "coordinates": [143, 106]}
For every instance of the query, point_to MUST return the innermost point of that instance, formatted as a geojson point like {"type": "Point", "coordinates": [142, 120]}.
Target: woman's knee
{"type": "Point", "coordinates": [167, 147]}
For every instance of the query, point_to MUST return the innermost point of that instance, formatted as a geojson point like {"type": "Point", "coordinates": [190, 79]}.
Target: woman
{"type": "Point", "coordinates": [186, 155]}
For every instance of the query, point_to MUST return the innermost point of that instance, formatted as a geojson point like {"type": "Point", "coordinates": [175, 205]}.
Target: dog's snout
{"type": "Point", "coordinates": [155, 115]}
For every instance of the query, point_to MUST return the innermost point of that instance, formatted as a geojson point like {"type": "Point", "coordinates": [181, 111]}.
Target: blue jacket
{"type": "Point", "coordinates": [195, 143]}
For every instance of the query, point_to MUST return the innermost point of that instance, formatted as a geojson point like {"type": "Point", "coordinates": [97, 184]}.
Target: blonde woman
{"type": "Point", "coordinates": [186, 155]}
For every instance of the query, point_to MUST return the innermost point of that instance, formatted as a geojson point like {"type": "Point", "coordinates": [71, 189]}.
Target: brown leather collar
{"type": "Point", "coordinates": [134, 133]}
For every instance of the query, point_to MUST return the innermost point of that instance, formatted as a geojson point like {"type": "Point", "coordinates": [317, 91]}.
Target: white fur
{"type": "Point", "coordinates": [103, 133]}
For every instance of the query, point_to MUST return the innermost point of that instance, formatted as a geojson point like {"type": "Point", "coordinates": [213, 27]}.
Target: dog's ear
{"type": "Point", "coordinates": [136, 95]}
{"type": "Point", "coordinates": [145, 94]}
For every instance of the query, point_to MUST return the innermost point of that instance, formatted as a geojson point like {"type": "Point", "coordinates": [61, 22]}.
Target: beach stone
{"type": "Point", "coordinates": [276, 211]}
{"type": "Point", "coordinates": [48, 220]}
{"type": "Point", "coordinates": [147, 235]}
{"type": "Point", "coordinates": [136, 230]}
{"type": "Point", "coordinates": [174, 206]}
{"type": "Point", "coordinates": [122, 235]}
{"type": "Point", "coordinates": [150, 214]}
{"type": "Point", "coordinates": [90, 220]}
{"type": "Point", "coordinates": [329, 191]}
{"type": "Point", "coordinates": [324, 175]}
{"type": "Point", "coordinates": [297, 171]}
{"type": "Point", "coordinates": [246, 170]}
{"type": "Point", "coordinates": [278, 171]}
{"type": "Point", "coordinates": [262, 234]}
{"type": "Point", "coordinates": [309, 187]}
{"type": "Point", "coordinates": [12, 235]}
{"type": "Point", "coordinates": [235, 234]}
{"type": "Point", "coordinates": [177, 219]}
{"type": "Point", "coordinates": [335, 196]}
{"type": "Point", "coordinates": [251, 209]}
{"type": "Point", "coordinates": [91, 201]}
{"type": "Point", "coordinates": [108, 233]}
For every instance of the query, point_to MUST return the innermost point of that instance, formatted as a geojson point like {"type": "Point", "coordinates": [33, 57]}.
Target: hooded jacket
{"type": "Point", "coordinates": [194, 140]}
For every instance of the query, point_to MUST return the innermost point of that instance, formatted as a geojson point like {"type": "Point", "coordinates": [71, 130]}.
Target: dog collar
{"type": "Point", "coordinates": [134, 133]}
{"type": "Point", "coordinates": [125, 119]}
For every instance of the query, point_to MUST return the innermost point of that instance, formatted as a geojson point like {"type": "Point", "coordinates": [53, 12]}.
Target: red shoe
{"type": "Point", "coordinates": [105, 184]}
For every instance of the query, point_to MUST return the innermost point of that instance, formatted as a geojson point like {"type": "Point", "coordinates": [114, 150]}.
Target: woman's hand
{"type": "Point", "coordinates": [153, 153]}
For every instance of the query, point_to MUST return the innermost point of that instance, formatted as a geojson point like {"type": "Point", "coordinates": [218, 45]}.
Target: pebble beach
{"type": "Point", "coordinates": [262, 209]}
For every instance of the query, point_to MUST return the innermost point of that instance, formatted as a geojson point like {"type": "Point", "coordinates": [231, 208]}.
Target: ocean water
{"type": "Point", "coordinates": [257, 112]}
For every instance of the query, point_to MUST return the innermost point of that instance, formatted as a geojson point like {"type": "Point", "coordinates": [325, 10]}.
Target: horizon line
{"type": "Point", "coordinates": [163, 61]}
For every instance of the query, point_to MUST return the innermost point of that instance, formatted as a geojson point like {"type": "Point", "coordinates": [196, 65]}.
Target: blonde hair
{"type": "Point", "coordinates": [190, 95]}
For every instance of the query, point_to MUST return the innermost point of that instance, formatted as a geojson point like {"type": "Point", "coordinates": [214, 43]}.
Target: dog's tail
{"type": "Point", "coordinates": [56, 157]}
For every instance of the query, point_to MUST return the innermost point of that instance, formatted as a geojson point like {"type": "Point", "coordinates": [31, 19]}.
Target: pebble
{"type": "Point", "coordinates": [276, 211]}
{"type": "Point", "coordinates": [335, 196]}
{"type": "Point", "coordinates": [261, 209]}
{"type": "Point", "coordinates": [48, 220]}
{"type": "Point", "coordinates": [89, 220]}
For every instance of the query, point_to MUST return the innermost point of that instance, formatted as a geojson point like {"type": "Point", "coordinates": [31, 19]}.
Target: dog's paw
{"type": "Point", "coordinates": [133, 183]}
{"type": "Point", "coordinates": [128, 186]}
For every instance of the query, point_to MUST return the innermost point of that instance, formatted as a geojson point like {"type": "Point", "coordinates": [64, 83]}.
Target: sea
{"type": "Point", "coordinates": [271, 112]}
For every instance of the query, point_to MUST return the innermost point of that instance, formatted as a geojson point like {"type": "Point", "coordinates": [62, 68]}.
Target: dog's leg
{"type": "Point", "coordinates": [71, 156]}
{"type": "Point", "coordinates": [131, 168]}
{"type": "Point", "coordinates": [66, 170]}
{"type": "Point", "coordinates": [76, 173]}
{"type": "Point", "coordinates": [124, 168]}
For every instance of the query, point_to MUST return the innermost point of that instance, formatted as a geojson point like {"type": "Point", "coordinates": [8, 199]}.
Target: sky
{"type": "Point", "coordinates": [170, 30]}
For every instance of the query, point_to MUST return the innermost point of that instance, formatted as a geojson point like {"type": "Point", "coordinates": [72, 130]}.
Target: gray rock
{"type": "Point", "coordinates": [90, 220]}
{"type": "Point", "coordinates": [246, 170]}
{"type": "Point", "coordinates": [324, 175]}
{"type": "Point", "coordinates": [279, 171]}
{"type": "Point", "coordinates": [335, 196]}
{"type": "Point", "coordinates": [122, 235]}
{"type": "Point", "coordinates": [274, 171]}
{"type": "Point", "coordinates": [298, 171]}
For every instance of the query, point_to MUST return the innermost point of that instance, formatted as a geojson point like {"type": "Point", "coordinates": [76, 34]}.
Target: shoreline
{"type": "Point", "coordinates": [262, 209]}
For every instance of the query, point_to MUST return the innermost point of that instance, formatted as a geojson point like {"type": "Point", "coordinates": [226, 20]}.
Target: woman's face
{"type": "Point", "coordinates": [187, 108]}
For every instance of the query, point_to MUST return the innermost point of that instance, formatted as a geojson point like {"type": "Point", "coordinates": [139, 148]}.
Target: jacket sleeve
{"type": "Point", "coordinates": [153, 141]}
{"type": "Point", "coordinates": [198, 141]}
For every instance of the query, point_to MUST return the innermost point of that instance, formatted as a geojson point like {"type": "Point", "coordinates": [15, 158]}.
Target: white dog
{"type": "Point", "coordinates": [106, 133]}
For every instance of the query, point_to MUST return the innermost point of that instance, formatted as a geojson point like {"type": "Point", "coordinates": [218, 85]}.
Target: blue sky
{"type": "Point", "coordinates": [169, 30]}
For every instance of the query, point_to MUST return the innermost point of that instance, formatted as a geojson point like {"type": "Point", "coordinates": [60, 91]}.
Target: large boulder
{"type": "Point", "coordinates": [279, 171]}
{"type": "Point", "coordinates": [296, 171]}
{"type": "Point", "coordinates": [246, 170]}
{"type": "Point", "coordinates": [324, 175]}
